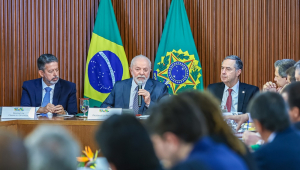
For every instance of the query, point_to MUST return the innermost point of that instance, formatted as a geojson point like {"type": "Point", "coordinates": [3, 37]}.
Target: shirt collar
{"type": "Point", "coordinates": [44, 85]}
{"type": "Point", "coordinates": [235, 88]}
{"type": "Point", "coordinates": [271, 137]}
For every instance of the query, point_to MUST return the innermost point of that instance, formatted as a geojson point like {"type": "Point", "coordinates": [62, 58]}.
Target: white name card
{"type": "Point", "coordinates": [12, 113]}
{"type": "Point", "coordinates": [102, 113]}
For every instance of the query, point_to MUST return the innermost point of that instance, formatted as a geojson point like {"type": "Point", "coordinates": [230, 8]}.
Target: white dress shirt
{"type": "Point", "coordinates": [271, 137]}
{"type": "Point", "coordinates": [133, 92]}
{"type": "Point", "coordinates": [234, 95]}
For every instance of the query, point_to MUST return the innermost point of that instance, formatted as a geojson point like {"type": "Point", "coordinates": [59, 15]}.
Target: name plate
{"type": "Point", "coordinates": [102, 113]}
{"type": "Point", "coordinates": [13, 113]}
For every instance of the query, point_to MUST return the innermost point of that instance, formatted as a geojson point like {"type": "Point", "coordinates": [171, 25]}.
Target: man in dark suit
{"type": "Point", "coordinates": [49, 93]}
{"type": "Point", "coordinates": [125, 93]}
{"type": "Point", "coordinates": [271, 119]}
{"type": "Point", "coordinates": [232, 93]}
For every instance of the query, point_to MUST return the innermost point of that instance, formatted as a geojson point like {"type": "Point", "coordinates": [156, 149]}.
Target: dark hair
{"type": "Point", "coordinates": [45, 59]}
{"type": "Point", "coordinates": [283, 65]}
{"type": "Point", "coordinates": [179, 116]}
{"type": "Point", "coordinates": [13, 154]}
{"type": "Point", "coordinates": [270, 110]}
{"type": "Point", "coordinates": [293, 92]}
{"type": "Point", "coordinates": [291, 72]}
{"type": "Point", "coordinates": [238, 62]}
{"type": "Point", "coordinates": [214, 119]}
{"type": "Point", "coordinates": [125, 143]}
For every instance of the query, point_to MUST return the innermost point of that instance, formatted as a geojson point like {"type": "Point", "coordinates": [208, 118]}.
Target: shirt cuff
{"type": "Point", "coordinates": [147, 105]}
{"type": "Point", "coordinates": [250, 119]}
{"type": "Point", "coordinates": [36, 109]}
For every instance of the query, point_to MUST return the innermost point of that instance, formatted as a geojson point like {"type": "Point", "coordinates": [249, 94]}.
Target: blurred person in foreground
{"type": "Point", "coordinates": [218, 129]}
{"type": "Point", "coordinates": [280, 77]}
{"type": "Point", "coordinates": [290, 75]}
{"type": "Point", "coordinates": [179, 132]}
{"type": "Point", "coordinates": [126, 144]}
{"type": "Point", "coordinates": [281, 149]}
{"type": "Point", "coordinates": [297, 71]}
{"type": "Point", "coordinates": [52, 148]}
{"type": "Point", "coordinates": [291, 95]}
{"type": "Point", "coordinates": [13, 154]}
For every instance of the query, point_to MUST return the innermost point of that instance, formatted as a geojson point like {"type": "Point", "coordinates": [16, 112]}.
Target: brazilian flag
{"type": "Point", "coordinates": [106, 62]}
{"type": "Point", "coordinates": [177, 62]}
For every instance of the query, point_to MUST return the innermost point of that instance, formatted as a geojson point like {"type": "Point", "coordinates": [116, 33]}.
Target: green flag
{"type": "Point", "coordinates": [106, 62]}
{"type": "Point", "coordinates": [177, 62]}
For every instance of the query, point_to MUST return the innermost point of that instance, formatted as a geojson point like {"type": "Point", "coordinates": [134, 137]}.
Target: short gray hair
{"type": "Point", "coordinates": [51, 147]}
{"type": "Point", "coordinates": [140, 56]}
{"type": "Point", "coordinates": [45, 59]}
{"type": "Point", "coordinates": [238, 62]}
{"type": "Point", "coordinates": [283, 65]}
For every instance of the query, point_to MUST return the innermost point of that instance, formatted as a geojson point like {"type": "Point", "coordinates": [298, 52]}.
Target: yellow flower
{"type": "Point", "coordinates": [89, 159]}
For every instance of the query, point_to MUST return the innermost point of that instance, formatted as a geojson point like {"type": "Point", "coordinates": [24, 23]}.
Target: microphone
{"type": "Point", "coordinates": [140, 97]}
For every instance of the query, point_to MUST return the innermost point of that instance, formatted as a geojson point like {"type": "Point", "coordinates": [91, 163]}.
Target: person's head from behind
{"type": "Point", "coordinates": [231, 69]}
{"type": "Point", "coordinates": [290, 72]}
{"type": "Point", "coordinates": [291, 94]}
{"type": "Point", "coordinates": [126, 144]}
{"type": "Point", "coordinates": [280, 71]}
{"type": "Point", "coordinates": [140, 68]}
{"type": "Point", "coordinates": [269, 113]}
{"type": "Point", "coordinates": [51, 147]}
{"type": "Point", "coordinates": [175, 125]}
{"type": "Point", "coordinates": [216, 125]}
{"type": "Point", "coordinates": [297, 71]}
{"type": "Point", "coordinates": [13, 154]}
{"type": "Point", "coordinates": [48, 68]}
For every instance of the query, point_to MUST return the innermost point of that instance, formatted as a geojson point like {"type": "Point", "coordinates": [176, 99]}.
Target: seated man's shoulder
{"type": "Point", "coordinates": [213, 85]}
{"type": "Point", "coordinates": [249, 86]}
{"type": "Point", "coordinates": [66, 83]}
{"type": "Point", "coordinates": [32, 81]}
{"type": "Point", "coordinates": [157, 83]}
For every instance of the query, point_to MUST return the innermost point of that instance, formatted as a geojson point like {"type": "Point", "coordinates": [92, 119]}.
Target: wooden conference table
{"type": "Point", "coordinates": [83, 130]}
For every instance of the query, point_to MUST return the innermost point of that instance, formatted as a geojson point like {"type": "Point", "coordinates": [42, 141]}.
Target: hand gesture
{"type": "Point", "coordinates": [146, 96]}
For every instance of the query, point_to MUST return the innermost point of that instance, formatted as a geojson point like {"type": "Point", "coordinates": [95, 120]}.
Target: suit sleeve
{"type": "Point", "coordinates": [164, 92]}
{"type": "Point", "coordinates": [72, 102]}
{"type": "Point", "coordinates": [110, 100]}
{"type": "Point", "coordinates": [25, 99]}
{"type": "Point", "coordinates": [255, 90]}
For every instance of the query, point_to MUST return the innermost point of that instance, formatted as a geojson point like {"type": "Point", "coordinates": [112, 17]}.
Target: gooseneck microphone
{"type": "Point", "coordinates": [140, 96]}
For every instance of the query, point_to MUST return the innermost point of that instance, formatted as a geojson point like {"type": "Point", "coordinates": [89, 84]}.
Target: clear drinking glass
{"type": "Point", "coordinates": [84, 105]}
{"type": "Point", "coordinates": [223, 108]}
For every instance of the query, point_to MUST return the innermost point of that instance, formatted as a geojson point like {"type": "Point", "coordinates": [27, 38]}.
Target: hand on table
{"type": "Point", "coordinates": [48, 108]}
{"type": "Point", "coordinates": [239, 119]}
{"type": "Point", "coordinates": [59, 109]}
{"type": "Point", "coordinates": [250, 138]}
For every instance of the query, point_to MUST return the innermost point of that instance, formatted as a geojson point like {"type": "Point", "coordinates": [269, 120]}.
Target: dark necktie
{"type": "Point", "coordinates": [135, 105]}
{"type": "Point", "coordinates": [229, 100]}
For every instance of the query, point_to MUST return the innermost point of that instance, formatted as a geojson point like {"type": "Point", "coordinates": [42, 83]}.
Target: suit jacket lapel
{"type": "Point", "coordinates": [126, 92]}
{"type": "Point", "coordinates": [39, 92]}
{"type": "Point", "coordinates": [220, 91]}
{"type": "Point", "coordinates": [241, 97]}
{"type": "Point", "coordinates": [149, 88]}
{"type": "Point", "coordinates": [57, 91]}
